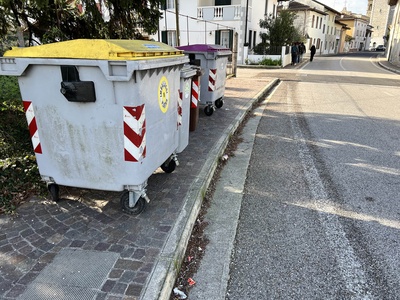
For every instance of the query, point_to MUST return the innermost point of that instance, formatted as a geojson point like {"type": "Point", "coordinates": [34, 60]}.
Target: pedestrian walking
{"type": "Point", "coordinates": [302, 51]}
{"type": "Point", "coordinates": [312, 51]}
{"type": "Point", "coordinates": [295, 52]}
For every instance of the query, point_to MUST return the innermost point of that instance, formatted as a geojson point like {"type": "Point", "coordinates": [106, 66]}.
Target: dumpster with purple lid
{"type": "Point", "coordinates": [213, 59]}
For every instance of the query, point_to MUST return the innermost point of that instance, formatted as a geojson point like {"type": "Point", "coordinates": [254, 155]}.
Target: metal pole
{"type": "Point", "coordinates": [205, 32]}
{"type": "Point", "coordinates": [187, 29]}
{"type": "Point", "coordinates": [178, 37]}
{"type": "Point", "coordinates": [234, 54]}
{"type": "Point", "coordinates": [245, 24]}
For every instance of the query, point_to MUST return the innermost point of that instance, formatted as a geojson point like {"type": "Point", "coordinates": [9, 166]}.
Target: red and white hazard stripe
{"type": "Point", "coordinates": [212, 78]}
{"type": "Point", "coordinates": [195, 92]}
{"type": "Point", "coordinates": [180, 102]}
{"type": "Point", "coordinates": [33, 129]}
{"type": "Point", "coordinates": [134, 133]}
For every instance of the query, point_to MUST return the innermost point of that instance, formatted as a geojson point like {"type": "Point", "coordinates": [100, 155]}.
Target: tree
{"type": "Point", "coordinates": [280, 31]}
{"type": "Point", "coordinates": [55, 20]}
{"type": "Point", "coordinates": [348, 38]}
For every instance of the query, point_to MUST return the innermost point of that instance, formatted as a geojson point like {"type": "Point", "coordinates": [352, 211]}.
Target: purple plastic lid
{"type": "Point", "coordinates": [203, 48]}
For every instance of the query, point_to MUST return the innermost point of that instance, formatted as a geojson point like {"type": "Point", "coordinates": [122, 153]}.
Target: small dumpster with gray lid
{"type": "Point", "coordinates": [102, 114]}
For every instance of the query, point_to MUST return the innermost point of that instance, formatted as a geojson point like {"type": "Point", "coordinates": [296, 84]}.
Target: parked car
{"type": "Point", "coordinates": [380, 48]}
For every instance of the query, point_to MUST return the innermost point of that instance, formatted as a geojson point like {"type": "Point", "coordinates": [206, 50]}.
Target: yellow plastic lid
{"type": "Point", "coordinates": [98, 49]}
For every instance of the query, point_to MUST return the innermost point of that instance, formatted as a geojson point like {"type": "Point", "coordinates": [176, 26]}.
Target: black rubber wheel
{"type": "Point", "coordinates": [169, 167]}
{"type": "Point", "coordinates": [219, 103]}
{"type": "Point", "coordinates": [54, 191]}
{"type": "Point", "coordinates": [208, 110]}
{"type": "Point", "coordinates": [137, 209]}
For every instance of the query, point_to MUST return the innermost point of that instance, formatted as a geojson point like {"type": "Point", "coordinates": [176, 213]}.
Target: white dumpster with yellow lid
{"type": "Point", "coordinates": [102, 114]}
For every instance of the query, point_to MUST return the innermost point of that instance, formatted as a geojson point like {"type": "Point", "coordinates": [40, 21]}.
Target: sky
{"type": "Point", "coordinates": [355, 6]}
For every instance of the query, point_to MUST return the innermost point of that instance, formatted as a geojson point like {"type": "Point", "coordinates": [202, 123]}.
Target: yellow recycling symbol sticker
{"type": "Point", "coordinates": [163, 94]}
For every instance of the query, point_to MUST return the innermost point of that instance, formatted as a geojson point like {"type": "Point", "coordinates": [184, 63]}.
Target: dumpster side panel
{"type": "Point", "coordinates": [220, 66]}
{"type": "Point", "coordinates": [214, 78]}
{"type": "Point", "coordinates": [161, 89]}
{"type": "Point", "coordinates": [78, 139]}
{"type": "Point", "coordinates": [206, 81]}
{"type": "Point", "coordinates": [185, 100]}
{"type": "Point", "coordinates": [160, 119]}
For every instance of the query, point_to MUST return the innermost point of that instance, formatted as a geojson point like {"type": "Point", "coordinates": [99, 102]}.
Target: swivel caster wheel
{"type": "Point", "coordinates": [209, 110]}
{"type": "Point", "coordinates": [219, 103]}
{"type": "Point", "coordinates": [169, 166]}
{"type": "Point", "coordinates": [137, 209]}
{"type": "Point", "coordinates": [54, 191]}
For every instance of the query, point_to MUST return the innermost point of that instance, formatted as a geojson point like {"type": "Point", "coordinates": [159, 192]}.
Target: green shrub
{"type": "Point", "coordinates": [14, 134]}
{"type": "Point", "coordinates": [270, 62]}
{"type": "Point", "coordinates": [19, 175]}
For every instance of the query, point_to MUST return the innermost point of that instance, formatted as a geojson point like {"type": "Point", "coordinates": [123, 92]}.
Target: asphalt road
{"type": "Point", "coordinates": [320, 215]}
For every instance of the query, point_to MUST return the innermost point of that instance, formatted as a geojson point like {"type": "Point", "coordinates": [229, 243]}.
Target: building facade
{"type": "Point", "coordinates": [359, 27]}
{"type": "Point", "coordinates": [378, 12]}
{"type": "Point", "coordinates": [215, 22]}
{"type": "Point", "coordinates": [318, 24]}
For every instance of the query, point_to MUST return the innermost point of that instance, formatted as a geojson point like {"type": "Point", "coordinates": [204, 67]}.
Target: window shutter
{"type": "Point", "coordinates": [217, 37]}
{"type": "Point", "coordinates": [164, 37]}
{"type": "Point", "coordinates": [164, 5]}
{"type": "Point", "coordinates": [231, 39]}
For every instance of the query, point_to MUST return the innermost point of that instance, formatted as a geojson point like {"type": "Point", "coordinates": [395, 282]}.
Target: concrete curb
{"type": "Point", "coordinates": [162, 278]}
{"type": "Point", "coordinates": [389, 68]}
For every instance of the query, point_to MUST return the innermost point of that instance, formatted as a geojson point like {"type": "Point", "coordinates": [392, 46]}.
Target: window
{"type": "Point", "coordinates": [313, 19]}
{"type": "Point", "coordinates": [169, 4]}
{"type": "Point", "coordinates": [222, 2]}
{"type": "Point", "coordinates": [323, 30]}
{"type": "Point", "coordinates": [250, 37]}
{"type": "Point", "coordinates": [266, 8]}
{"type": "Point", "coordinates": [316, 25]}
{"type": "Point", "coordinates": [224, 38]}
{"type": "Point", "coordinates": [320, 23]}
{"type": "Point", "coordinates": [169, 37]}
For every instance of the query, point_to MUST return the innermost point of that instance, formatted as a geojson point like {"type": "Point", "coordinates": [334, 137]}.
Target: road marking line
{"type": "Point", "coordinates": [341, 64]}
{"type": "Point", "coordinates": [348, 263]}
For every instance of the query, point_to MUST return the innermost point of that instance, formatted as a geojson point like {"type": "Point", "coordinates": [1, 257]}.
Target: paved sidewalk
{"type": "Point", "coordinates": [84, 247]}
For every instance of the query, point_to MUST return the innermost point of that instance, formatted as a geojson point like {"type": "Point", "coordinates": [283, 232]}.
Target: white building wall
{"type": "Point", "coordinates": [260, 10]}
{"type": "Point", "coordinates": [315, 31]}
{"type": "Point", "coordinates": [193, 29]}
{"type": "Point", "coordinates": [360, 31]}
{"type": "Point", "coordinates": [331, 41]}
{"type": "Point", "coordinates": [319, 26]}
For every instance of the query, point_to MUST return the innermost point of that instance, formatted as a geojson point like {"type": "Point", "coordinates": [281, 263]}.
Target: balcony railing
{"type": "Point", "coordinates": [220, 13]}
